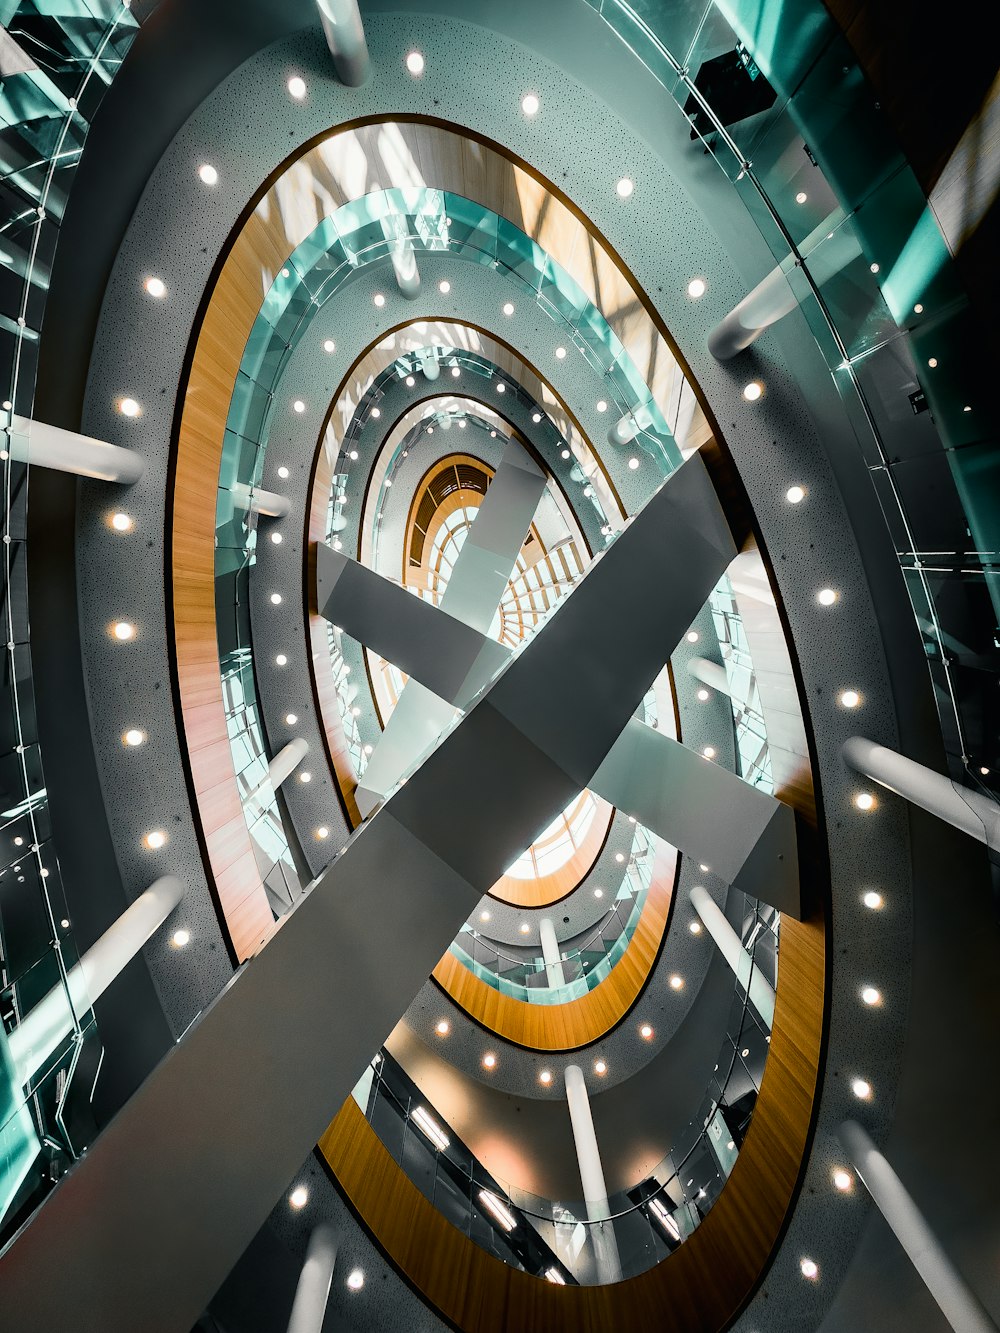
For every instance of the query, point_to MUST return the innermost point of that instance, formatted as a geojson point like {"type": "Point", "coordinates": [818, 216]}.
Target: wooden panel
{"type": "Point", "coordinates": [564, 1027]}
{"type": "Point", "coordinates": [699, 1288]}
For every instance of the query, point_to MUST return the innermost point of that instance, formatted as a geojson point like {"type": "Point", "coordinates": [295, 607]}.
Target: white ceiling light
{"type": "Point", "coordinates": [410, 381]}
{"type": "Point", "coordinates": [276, 538]}
{"type": "Point", "coordinates": [283, 473]}
{"type": "Point", "coordinates": [697, 288]}
{"type": "Point", "coordinates": [444, 286]}
{"type": "Point", "coordinates": [355, 1279]}
{"type": "Point", "coordinates": [872, 900]}
{"type": "Point", "coordinates": [871, 996]}
{"type": "Point", "coordinates": [692, 636]}
{"type": "Point", "coordinates": [290, 719]}
{"type": "Point", "coordinates": [456, 371]}
{"type": "Point", "coordinates": [861, 1088]}
{"type": "Point", "coordinates": [508, 308]}
{"type": "Point", "coordinates": [530, 104]}
{"type": "Point", "coordinates": [560, 353]}
{"type": "Point", "coordinates": [379, 300]}
{"type": "Point", "coordinates": [156, 287]}
{"type": "Point", "coordinates": [121, 522]}
{"type": "Point", "coordinates": [633, 464]}
{"type": "Point", "coordinates": [155, 840]}
{"type": "Point", "coordinates": [801, 197]}
{"type": "Point", "coordinates": [646, 1032]}
{"type": "Point", "coordinates": [297, 87]}
{"type": "Point", "coordinates": [497, 1210]}
{"type": "Point", "coordinates": [809, 1268]}
{"type": "Point", "coordinates": [275, 598]}
{"type": "Point", "coordinates": [849, 698]}
{"type": "Point", "coordinates": [123, 631]}
{"type": "Point", "coordinates": [695, 927]}
{"type": "Point", "coordinates": [376, 412]}
{"type": "Point", "coordinates": [281, 659]}
{"type": "Point", "coordinates": [180, 938]}
{"type": "Point", "coordinates": [842, 1179]}
{"type": "Point", "coordinates": [208, 174]}
{"type": "Point", "coordinates": [753, 391]}
{"type": "Point", "coordinates": [676, 983]}
{"type": "Point", "coordinates": [442, 1027]}
{"type": "Point", "coordinates": [826, 597]}
{"type": "Point", "coordinates": [624, 187]}
{"type": "Point", "coordinates": [565, 453]}
{"type": "Point", "coordinates": [703, 696]}
{"type": "Point", "coordinates": [795, 495]}
{"type": "Point", "coordinates": [430, 1127]}
{"type": "Point", "coordinates": [128, 407]}
{"type": "Point", "coordinates": [536, 417]}
{"type": "Point", "coordinates": [134, 736]}
{"type": "Point", "coordinates": [299, 1197]}
{"type": "Point", "coordinates": [865, 800]}
{"type": "Point", "coordinates": [298, 406]}
{"type": "Point", "coordinates": [601, 405]}
{"type": "Point", "coordinates": [329, 345]}
{"type": "Point", "coordinates": [415, 63]}
{"type": "Point", "coordinates": [709, 752]}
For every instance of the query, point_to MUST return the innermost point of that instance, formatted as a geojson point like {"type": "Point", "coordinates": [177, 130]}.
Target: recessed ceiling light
{"type": "Point", "coordinates": [305, 777]}
{"type": "Point", "coordinates": [692, 636]}
{"type": "Point", "coordinates": [601, 405]}
{"type": "Point", "coordinates": [624, 187]}
{"type": "Point", "coordinates": [536, 417]}
{"type": "Point", "coordinates": [379, 299]}
{"type": "Point", "coordinates": [275, 598]}
{"type": "Point", "coordinates": [208, 174]}
{"type": "Point", "coordinates": [984, 771]}
{"type": "Point", "coordinates": [842, 1179]}
{"type": "Point", "coordinates": [444, 286]}
{"type": "Point", "coordinates": [703, 869]}
{"type": "Point", "coordinates": [322, 832]}
{"type": "Point", "coordinates": [484, 916]}
{"type": "Point", "coordinates": [598, 893]}
{"type": "Point", "coordinates": [703, 696]}
{"type": "Point", "coordinates": [695, 927]}
{"type": "Point", "coordinates": [795, 495]}
{"type": "Point", "coordinates": [810, 1268]}
{"type": "Point", "coordinates": [874, 267]}
{"type": "Point", "coordinates": [501, 387]}
{"type": "Point", "coordinates": [283, 473]}
{"type": "Point", "coordinates": [299, 1197]}
{"type": "Point", "coordinates": [281, 659]}
{"type": "Point", "coordinates": [134, 736]}
{"type": "Point", "coordinates": [410, 381]}
{"type": "Point", "coordinates": [180, 938]}
{"type": "Point", "coordinates": [123, 630]}
{"type": "Point", "coordinates": [872, 900]}
{"type": "Point", "coordinates": [489, 1060]}
{"type": "Point", "coordinates": [850, 698]}
{"type": "Point", "coordinates": [156, 287]}
{"type": "Point", "coordinates": [297, 87]}
{"type": "Point", "coordinates": [753, 391]}
{"type": "Point", "coordinates": [508, 308]}
{"type": "Point", "coordinates": [560, 353]}
{"type": "Point", "coordinates": [826, 597]}
{"type": "Point", "coordinates": [525, 928]}
{"type": "Point", "coordinates": [353, 455]}
{"type": "Point", "coordinates": [633, 464]}
{"type": "Point", "coordinates": [376, 412]}
{"type": "Point", "coordinates": [564, 453]}
{"type": "Point", "coordinates": [865, 800]}
{"type": "Point", "coordinates": [128, 407]}
{"type": "Point", "coordinates": [918, 309]}
{"type": "Point", "coordinates": [155, 840]}
{"type": "Point", "coordinates": [355, 711]}
{"type": "Point", "coordinates": [861, 1088]}
{"type": "Point", "coordinates": [530, 104]}
{"type": "Point", "coordinates": [932, 362]}
{"type": "Point", "coordinates": [290, 719]}
{"type": "Point", "coordinates": [415, 63]}
{"type": "Point", "coordinates": [545, 1077]}
{"type": "Point", "coordinates": [329, 345]}
{"type": "Point", "coordinates": [442, 1027]}
{"type": "Point", "coordinates": [676, 983]}
{"type": "Point", "coordinates": [456, 371]}
{"type": "Point", "coordinates": [801, 197]}
{"type": "Point", "coordinates": [600, 1068]}
{"type": "Point", "coordinates": [298, 405]}
{"type": "Point", "coordinates": [368, 749]}
{"type": "Point", "coordinates": [276, 538]}
{"type": "Point", "coordinates": [646, 1032]}
{"type": "Point", "coordinates": [871, 996]}
{"type": "Point", "coordinates": [121, 522]}
{"type": "Point", "coordinates": [697, 288]}
{"type": "Point", "coordinates": [709, 752]}
{"type": "Point", "coordinates": [619, 857]}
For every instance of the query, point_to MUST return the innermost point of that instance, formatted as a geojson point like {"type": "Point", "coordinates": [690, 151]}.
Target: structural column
{"type": "Point", "coordinates": [709, 673]}
{"type": "Point", "coordinates": [345, 36]}
{"type": "Point", "coordinates": [258, 501]}
{"type": "Point", "coordinates": [39, 445]}
{"type": "Point", "coordinates": [730, 945]}
{"type": "Point", "coordinates": [313, 1290]}
{"type": "Point", "coordinates": [282, 766]}
{"type": "Point", "coordinates": [963, 808]}
{"type": "Point", "coordinates": [52, 1019]}
{"type": "Point", "coordinates": [554, 974]}
{"type": "Point", "coordinates": [595, 1192]}
{"type": "Point", "coordinates": [404, 266]}
{"type": "Point", "coordinates": [957, 1301]}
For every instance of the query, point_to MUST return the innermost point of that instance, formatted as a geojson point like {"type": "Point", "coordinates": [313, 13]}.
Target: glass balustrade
{"type": "Point", "coordinates": [559, 1240]}
{"type": "Point", "coordinates": [776, 100]}
{"type": "Point", "coordinates": [58, 60]}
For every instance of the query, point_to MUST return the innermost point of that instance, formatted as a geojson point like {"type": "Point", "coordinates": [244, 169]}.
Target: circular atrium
{"type": "Point", "coordinates": [501, 570]}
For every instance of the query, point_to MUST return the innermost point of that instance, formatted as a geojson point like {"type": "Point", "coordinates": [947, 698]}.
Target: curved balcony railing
{"type": "Point", "coordinates": [586, 964]}
{"type": "Point", "coordinates": [59, 60]}
{"type": "Point", "coordinates": [866, 262]}
{"type": "Point", "coordinates": [559, 1240]}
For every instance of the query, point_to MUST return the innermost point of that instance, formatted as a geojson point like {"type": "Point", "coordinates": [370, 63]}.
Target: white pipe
{"type": "Point", "coordinates": [554, 974]}
{"type": "Point", "coordinates": [958, 1303]}
{"type": "Point", "coordinates": [595, 1191]}
{"type": "Point", "coordinates": [258, 501]}
{"type": "Point", "coordinates": [39, 445]}
{"type": "Point", "coordinates": [313, 1290]}
{"type": "Point", "coordinates": [345, 36]}
{"type": "Point", "coordinates": [829, 248]}
{"type": "Point", "coordinates": [52, 1019]}
{"type": "Point", "coordinates": [625, 429]}
{"type": "Point", "coordinates": [281, 767]}
{"type": "Point", "coordinates": [404, 266]}
{"type": "Point", "coordinates": [730, 945]}
{"type": "Point", "coordinates": [429, 363]}
{"type": "Point", "coordinates": [709, 673]}
{"type": "Point", "coordinates": [963, 808]}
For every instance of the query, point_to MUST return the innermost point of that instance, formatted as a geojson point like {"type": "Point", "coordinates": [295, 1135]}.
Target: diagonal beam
{"type": "Point", "coordinates": [175, 1188]}
{"type": "Point", "coordinates": [743, 835]}
{"type": "Point", "coordinates": [476, 586]}
{"type": "Point", "coordinates": [673, 791]}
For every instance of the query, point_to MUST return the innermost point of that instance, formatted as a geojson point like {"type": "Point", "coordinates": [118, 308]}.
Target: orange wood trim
{"type": "Point", "coordinates": [564, 1027]}
{"type": "Point", "coordinates": [549, 889]}
{"type": "Point", "coordinates": [702, 1286]}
